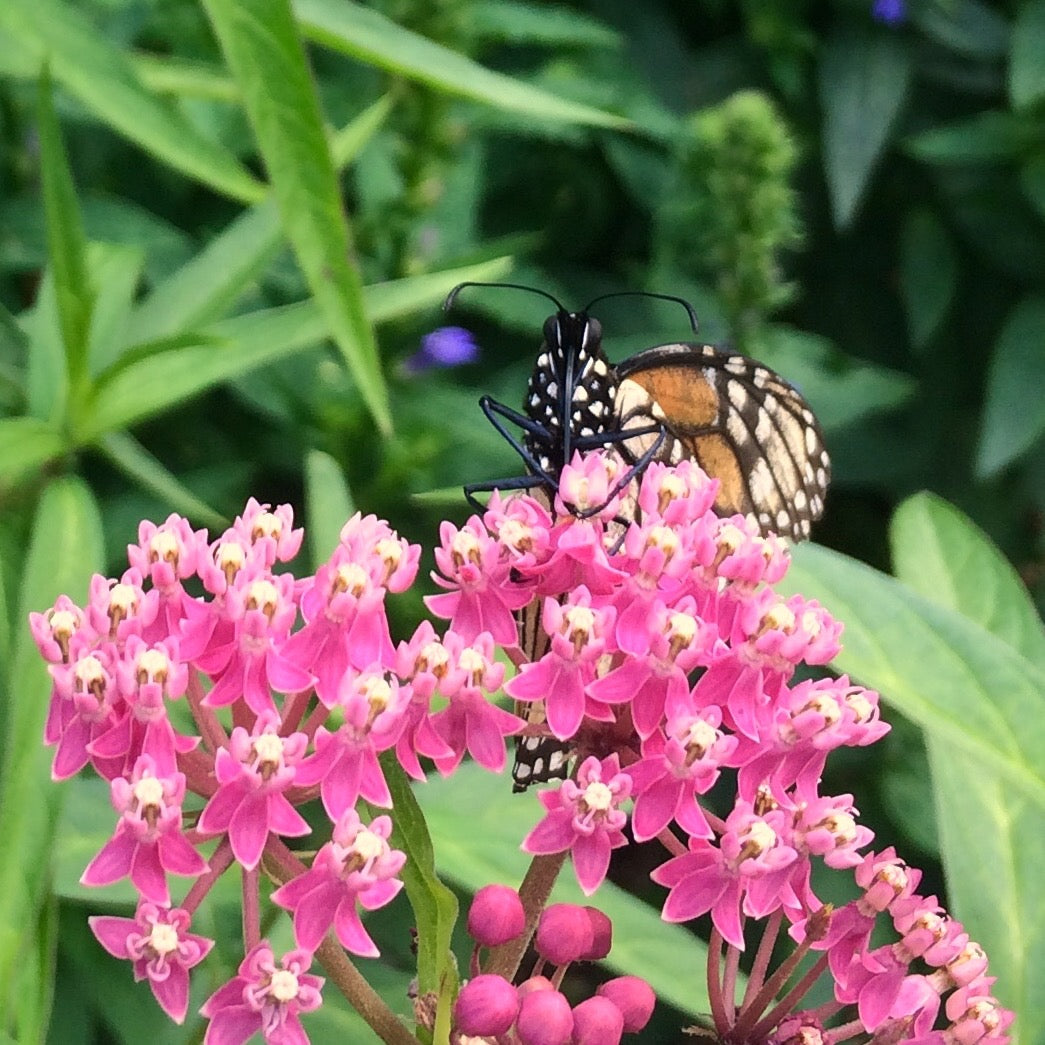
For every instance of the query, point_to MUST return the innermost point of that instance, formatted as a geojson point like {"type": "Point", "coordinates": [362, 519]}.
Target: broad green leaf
{"type": "Point", "coordinates": [65, 550]}
{"type": "Point", "coordinates": [66, 245]}
{"type": "Point", "coordinates": [102, 77]}
{"type": "Point", "coordinates": [1014, 413]}
{"type": "Point", "coordinates": [1027, 55]}
{"type": "Point", "coordinates": [944, 672]}
{"type": "Point", "coordinates": [928, 274]}
{"type": "Point", "coordinates": [863, 79]}
{"type": "Point", "coordinates": [368, 35]}
{"type": "Point", "coordinates": [127, 454]}
{"type": "Point", "coordinates": [479, 824]}
{"type": "Point", "coordinates": [116, 271]}
{"type": "Point", "coordinates": [328, 504]}
{"type": "Point", "coordinates": [26, 444]}
{"type": "Point", "coordinates": [992, 840]}
{"type": "Point", "coordinates": [940, 553]}
{"type": "Point", "coordinates": [987, 137]}
{"type": "Point", "coordinates": [203, 289]}
{"type": "Point", "coordinates": [267, 58]}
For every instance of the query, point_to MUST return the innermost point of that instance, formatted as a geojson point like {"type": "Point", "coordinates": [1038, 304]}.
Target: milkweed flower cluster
{"type": "Point", "coordinates": [656, 650]}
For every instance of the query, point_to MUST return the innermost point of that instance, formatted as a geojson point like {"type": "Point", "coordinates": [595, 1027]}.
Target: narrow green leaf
{"type": "Point", "coordinates": [992, 840]}
{"type": "Point", "coordinates": [1027, 55]}
{"type": "Point", "coordinates": [509, 21]}
{"type": "Point", "coordinates": [263, 50]}
{"type": "Point", "coordinates": [185, 78]}
{"type": "Point", "coordinates": [149, 473]}
{"type": "Point", "coordinates": [203, 289]}
{"type": "Point", "coordinates": [26, 444]}
{"type": "Point", "coordinates": [1014, 413]}
{"type": "Point", "coordinates": [370, 36]}
{"type": "Point", "coordinates": [863, 80]}
{"type": "Point", "coordinates": [969, 27]}
{"type": "Point", "coordinates": [116, 271]}
{"type": "Point", "coordinates": [928, 274]}
{"type": "Point", "coordinates": [434, 905]}
{"type": "Point", "coordinates": [986, 138]}
{"type": "Point", "coordinates": [65, 550]}
{"type": "Point", "coordinates": [1032, 182]}
{"type": "Point", "coordinates": [328, 504]}
{"type": "Point", "coordinates": [480, 824]}
{"type": "Point", "coordinates": [66, 243]}
{"type": "Point", "coordinates": [944, 672]}
{"type": "Point", "coordinates": [403, 297]}
{"type": "Point", "coordinates": [102, 77]}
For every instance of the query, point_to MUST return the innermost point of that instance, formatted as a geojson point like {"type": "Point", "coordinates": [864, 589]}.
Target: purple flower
{"type": "Point", "coordinates": [889, 12]}
{"type": "Point", "coordinates": [445, 347]}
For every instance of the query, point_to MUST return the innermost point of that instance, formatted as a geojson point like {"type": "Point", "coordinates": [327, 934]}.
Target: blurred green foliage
{"type": "Point", "coordinates": [225, 226]}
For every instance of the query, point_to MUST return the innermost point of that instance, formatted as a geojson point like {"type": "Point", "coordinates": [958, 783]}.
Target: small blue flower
{"type": "Point", "coordinates": [445, 347]}
{"type": "Point", "coordinates": [889, 12]}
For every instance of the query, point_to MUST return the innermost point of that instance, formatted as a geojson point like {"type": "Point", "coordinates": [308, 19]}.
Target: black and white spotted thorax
{"type": "Point", "coordinates": [571, 393]}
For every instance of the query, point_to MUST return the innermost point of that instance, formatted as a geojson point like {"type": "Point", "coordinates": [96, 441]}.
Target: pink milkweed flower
{"type": "Point", "coordinates": [162, 949]}
{"type": "Point", "coordinates": [675, 769]}
{"type": "Point", "coordinates": [85, 704]}
{"type": "Point", "coordinates": [471, 721]}
{"type": "Point", "coordinates": [676, 494]}
{"type": "Point", "coordinates": [357, 866]}
{"type": "Point", "coordinates": [54, 631]}
{"type": "Point", "coordinates": [270, 532]}
{"type": "Point", "coordinates": [345, 763]}
{"type": "Point", "coordinates": [579, 633]}
{"type": "Point", "coordinates": [345, 624]}
{"type": "Point", "coordinates": [264, 998]}
{"type": "Point", "coordinates": [147, 677]}
{"type": "Point", "coordinates": [148, 841]}
{"type": "Point", "coordinates": [481, 595]}
{"type": "Point", "coordinates": [746, 873]}
{"type": "Point", "coordinates": [587, 484]}
{"type": "Point", "coordinates": [522, 526]}
{"type": "Point", "coordinates": [116, 610]}
{"type": "Point", "coordinates": [253, 772]}
{"type": "Point", "coordinates": [252, 663]}
{"type": "Point", "coordinates": [583, 817]}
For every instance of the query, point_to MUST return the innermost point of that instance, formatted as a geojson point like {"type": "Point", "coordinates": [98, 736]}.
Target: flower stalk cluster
{"type": "Point", "coordinates": [656, 650]}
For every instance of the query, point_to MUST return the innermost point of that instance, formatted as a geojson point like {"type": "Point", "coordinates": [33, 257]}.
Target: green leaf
{"type": "Point", "coordinates": [863, 81]}
{"type": "Point", "coordinates": [328, 504]}
{"type": "Point", "coordinates": [969, 27]}
{"type": "Point", "coordinates": [66, 244]}
{"type": "Point", "coordinates": [127, 454]}
{"type": "Point", "coordinates": [1014, 413]}
{"type": "Point", "coordinates": [986, 138]}
{"type": "Point", "coordinates": [184, 77]}
{"type": "Point", "coordinates": [938, 552]}
{"type": "Point", "coordinates": [1027, 55]}
{"type": "Point", "coordinates": [370, 36]}
{"type": "Point", "coordinates": [944, 672]}
{"type": "Point", "coordinates": [102, 77]}
{"type": "Point", "coordinates": [434, 905]}
{"type": "Point", "coordinates": [65, 550]}
{"type": "Point", "coordinates": [511, 22]}
{"type": "Point", "coordinates": [1032, 182]}
{"type": "Point", "coordinates": [267, 58]}
{"type": "Point", "coordinates": [26, 444]}
{"type": "Point", "coordinates": [928, 274]}
{"type": "Point", "coordinates": [479, 824]}
{"type": "Point", "coordinates": [116, 271]}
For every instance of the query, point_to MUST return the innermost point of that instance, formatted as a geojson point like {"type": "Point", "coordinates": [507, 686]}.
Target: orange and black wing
{"type": "Point", "coordinates": [741, 422]}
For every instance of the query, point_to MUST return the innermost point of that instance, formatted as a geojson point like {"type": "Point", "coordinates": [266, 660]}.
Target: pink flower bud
{"type": "Point", "coordinates": [597, 1021]}
{"type": "Point", "coordinates": [602, 935]}
{"type": "Point", "coordinates": [544, 1018]}
{"type": "Point", "coordinates": [564, 933]}
{"type": "Point", "coordinates": [496, 915]}
{"type": "Point", "coordinates": [635, 999]}
{"type": "Point", "coordinates": [486, 1006]}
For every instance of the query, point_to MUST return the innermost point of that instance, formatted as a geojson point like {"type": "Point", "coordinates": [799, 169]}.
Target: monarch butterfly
{"type": "Point", "coordinates": [740, 421]}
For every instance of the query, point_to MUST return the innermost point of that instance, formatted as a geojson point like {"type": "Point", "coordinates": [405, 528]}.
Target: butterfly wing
{"type": "Point", "coordinates": [740, 421]}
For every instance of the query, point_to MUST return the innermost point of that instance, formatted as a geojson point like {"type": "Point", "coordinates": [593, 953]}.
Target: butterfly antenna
{"type": "Point", "coordinates": [649, 294]}
{"type": "Point", "coordinates": [452, 296]}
